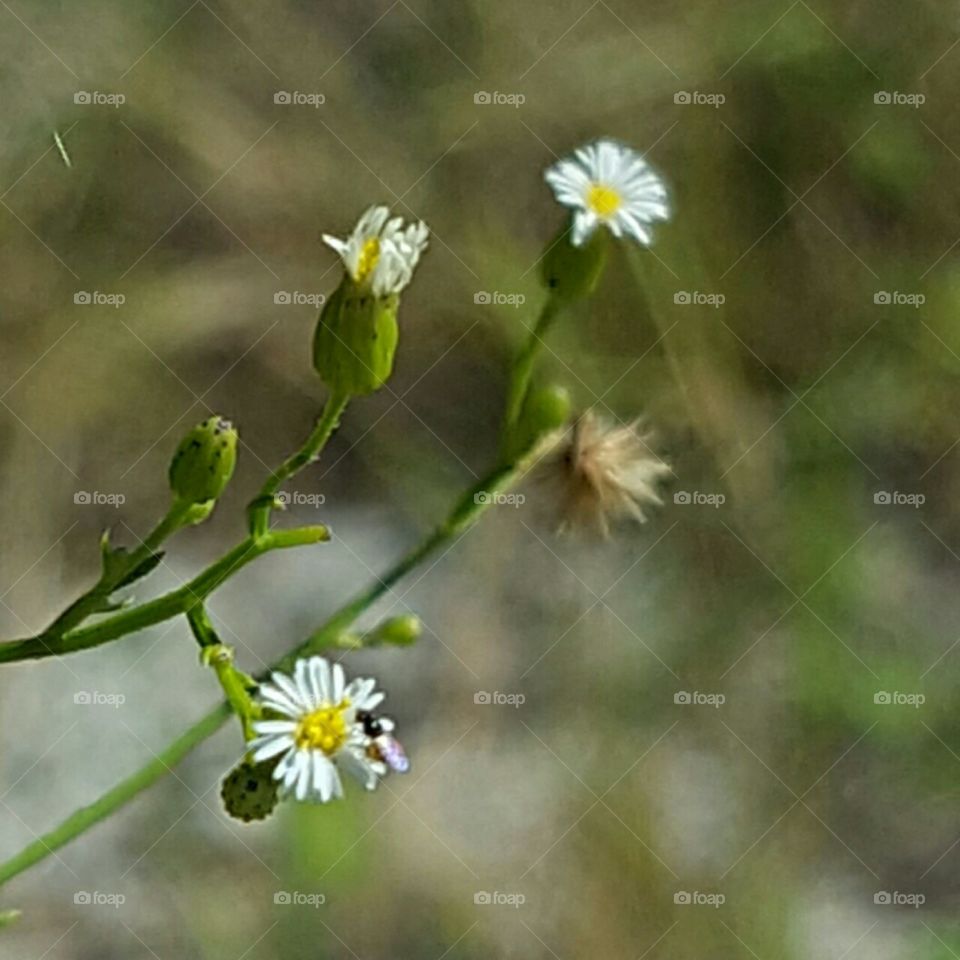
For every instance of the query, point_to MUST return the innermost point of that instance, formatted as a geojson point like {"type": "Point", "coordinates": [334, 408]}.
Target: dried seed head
{"type": "Point", "coordinates": [607, 472]}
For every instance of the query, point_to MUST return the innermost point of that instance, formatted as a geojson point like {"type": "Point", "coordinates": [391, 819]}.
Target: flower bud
{"type": "Point", "coordinates": [572, 273]}
{"type": "Point", "coordinates": [397, 631]}
{"type": "Point", "coordinates": [249, 791]}
{"type": "Point", "coordinates": [355, 340]}
{"type": "Point", "coordinates": [545, 409]}
{"type": "Point", "coordinates": [203, 463]}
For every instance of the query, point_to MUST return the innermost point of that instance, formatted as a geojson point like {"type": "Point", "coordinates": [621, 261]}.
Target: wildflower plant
{"type": "Point", "coordinates": [305, 729]}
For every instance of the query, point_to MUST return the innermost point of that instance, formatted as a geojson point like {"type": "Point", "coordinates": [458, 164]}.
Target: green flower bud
{"type": "Point", "coordinates": [397, 631]}
{"type": "Point", "coordinates": [572, 273]}
{"type": "Point", "coordinates": [249, 791]}
{"type": "Point", "coordinates": [545, 409]}
{"type": "Point", "coordinates": [355, 340]}
{"type": "Point", "coordinates": [203, 464]}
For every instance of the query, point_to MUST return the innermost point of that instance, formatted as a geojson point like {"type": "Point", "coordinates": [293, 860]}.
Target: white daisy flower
{"type": "Point", "coordinates": [606, 182]}
{"type": "Point", "coordinates": [381, 253]}
{"type": "Point", "coordinates": [326, 726]}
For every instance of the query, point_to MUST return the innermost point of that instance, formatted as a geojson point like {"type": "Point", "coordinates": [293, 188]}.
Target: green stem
{"type": "Point", "coordinates": [164, 607]}
{"type": "Point", "coordinates": [219, 657]}
{"type": "Point", "coordinates": [327, 423]}
{"type": "Point", "coordinates": [523, 364]}
{"type": "Point", "coordinates": [466, 512]}
{"type": "Point", "coordinates": [113, 799]}
{"type": "Point", "coordinates": [88, 604]}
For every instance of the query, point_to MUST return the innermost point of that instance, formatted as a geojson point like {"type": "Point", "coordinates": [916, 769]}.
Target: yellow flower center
{"type": "Point", "coordinates": [368, 258]}
{"type": "Point", "coordinates": [603, 200]}
{"type": "Point", "coordinates": [324, 729]}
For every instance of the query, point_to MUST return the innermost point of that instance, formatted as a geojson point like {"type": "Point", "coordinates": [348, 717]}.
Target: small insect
{"type": "Point", "coordinates": [383, 745]}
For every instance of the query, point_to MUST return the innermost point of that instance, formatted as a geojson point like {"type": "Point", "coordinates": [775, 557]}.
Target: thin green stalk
{"type": "Point", "coordinates": [218, 656]}
{"type": "Point", "coordinates": [164, 607]}
{"type": "Point", "coordinates": [88, 604]}
{"type": "Point", "coordinates": [327, 423]}
{"type": "Point", "coordinates": [466, 512]}
{"type": "Point", "coordinates": [86, 817]}
{"type": "Point", "coordinates": [523, 364]}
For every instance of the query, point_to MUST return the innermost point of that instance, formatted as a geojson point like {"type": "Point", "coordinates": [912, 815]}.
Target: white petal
{"type": "Point", "coordinates": [303, 780]}
{"type": "Point", "coordinates": [274, 726]}
{"type": "Point", "coordinates": [277, 700]}
{"type": "Point", "coordinates": [270, 747]}
{"type": "Point", "coordinates": [373, 701]}
{"type": "Point", "coordinates": [323, 776]}
{"type": "Point", "coordinates": [584, 223]}
{"type": "Point", "coordinates": [337, 683]}
{"type": "Point", "coordinates": [304, 687]}
{"type": "Point", "coordinates": [289, 688]}
{"type": "Point", "coordinates": [358, 690]}
{"type": "Point", "coordinates": [322, 670]}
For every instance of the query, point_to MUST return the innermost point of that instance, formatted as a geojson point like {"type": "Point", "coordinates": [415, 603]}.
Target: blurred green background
{"type": "Point", "coordinates": [818, 198]}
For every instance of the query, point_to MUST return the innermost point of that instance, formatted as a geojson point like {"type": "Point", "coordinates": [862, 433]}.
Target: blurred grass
{"type": "Point", "coordinates": [802, 399]}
